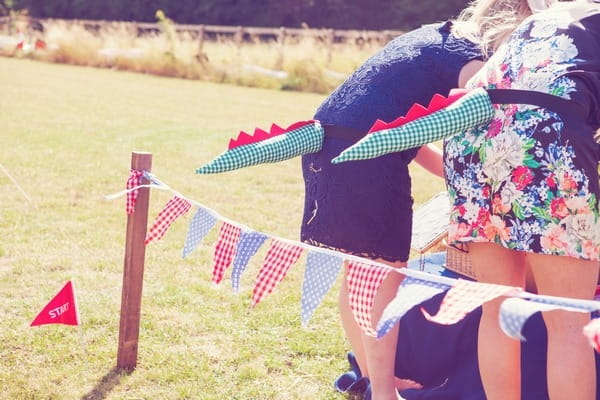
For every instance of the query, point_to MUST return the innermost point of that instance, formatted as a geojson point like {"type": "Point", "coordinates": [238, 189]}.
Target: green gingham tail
{"type": "Point", "coordinates": [303, 140]}
{"type": "Point", "coordinates": [472, 109]}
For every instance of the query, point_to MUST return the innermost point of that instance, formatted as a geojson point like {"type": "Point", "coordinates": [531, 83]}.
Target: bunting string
{"type": "Point", "coordinates": [237, 243]}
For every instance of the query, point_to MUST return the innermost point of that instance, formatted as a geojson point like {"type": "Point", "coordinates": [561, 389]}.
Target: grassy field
{"type": "Point", "coordinates": [66, 136]}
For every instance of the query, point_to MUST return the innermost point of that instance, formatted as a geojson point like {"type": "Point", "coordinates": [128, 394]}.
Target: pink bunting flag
{"type": "Point", "coordinates": [134, 180]}
{"type": "Point", "coordinates": [464, 297]}
{"type": "Point", "coordinates": [62, 309]}
{"type": "Point", "coordinates": [364, 281]}
{"type": "Point", "coordinates": [280, 257]}
{"type": "Point", "coordinates": [174, 208]}
{"type": "Point", "coordinates": [592, 333]}
{"type": "Point", "coordinates": [229, 236]}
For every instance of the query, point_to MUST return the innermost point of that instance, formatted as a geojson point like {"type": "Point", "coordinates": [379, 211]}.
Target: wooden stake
{"type": "Point", "coordinates": [133, 271]}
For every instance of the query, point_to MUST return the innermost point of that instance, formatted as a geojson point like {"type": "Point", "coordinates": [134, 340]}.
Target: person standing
{"type": "Point", "coordinates": [524, 190]}
{"type": "Point", "coordinates": [365, 208]}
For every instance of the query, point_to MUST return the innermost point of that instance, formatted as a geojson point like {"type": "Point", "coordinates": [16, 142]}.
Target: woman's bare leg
{"type": "Point", "coordinates": [376, 357]}
{"type": "Point", "coordinates": [499, 356]}
{"type": "Point", "coordinates": [571, 364]}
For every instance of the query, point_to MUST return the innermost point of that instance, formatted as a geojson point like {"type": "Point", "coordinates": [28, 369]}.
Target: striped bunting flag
{"type": "Point", "coordinates": [411, 292]}
{"type": "Point", "coordinates": [134, 180]}
{"type": "Point", "coordinates": [514, 312]}
{"type": "Point", "coordinates": [363, 282]}
{"type": "Point", "coordinates": [592, 333]}
{"type": "Point", "coordinates": [280, 257]}
{"type": "Point", "coordinates": [201, 224]}
{"type": "Point", "coordinates": [225, 248]}
{"type": "Point", "coordinates": [250, 242]}
{"type": "Point", "coordinates": [174, 208]}
{"type": "Point", "coordinates": [321, 271]}
{"type": "Point", "coordinates": [464, 297]}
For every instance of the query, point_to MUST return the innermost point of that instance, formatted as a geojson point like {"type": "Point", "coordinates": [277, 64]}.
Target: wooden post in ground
{"type": "Point", "coordinates": [280, 48]}
{"type": "Point", "coordinates": [201, 35]}
{"type": "Point", "coordinates": [133, 271]}
{"type": "Point", "coordinates": [329, 40]}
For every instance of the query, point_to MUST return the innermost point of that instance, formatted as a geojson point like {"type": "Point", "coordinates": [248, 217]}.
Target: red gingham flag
{"type": "Point", "coordinates": [175, 208]}
{"type": "Point", "coordinates": [279, 259]}
{"type": "Point", "coordinates": [464, 297]}
{"type": "Point", "coordinates": [229, 236]}
{"type": "Point", "coordinates": [363, 282]}
{"type": "Point", "coordinates": [135, 179]}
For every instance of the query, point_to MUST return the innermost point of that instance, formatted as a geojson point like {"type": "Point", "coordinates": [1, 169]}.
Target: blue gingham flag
{"type": "Point", "coordinates": [201, 224]}
{"type": "Point", "coordinates": [514, 311]}
{"type": "Point", "coordinates": [321, 271]}
{"type": "Point", "coordinates": [250, 242]}
{"type": "Point", "coordinates": [472, 109]}
{"type": "Point", "coordinates": [305, 139]}
{"type": "Point", "coordinates": [411, 292]}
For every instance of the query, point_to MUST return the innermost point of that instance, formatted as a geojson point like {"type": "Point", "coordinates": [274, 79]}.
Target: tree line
{"type": "Point", "coordinates": [336, 14]}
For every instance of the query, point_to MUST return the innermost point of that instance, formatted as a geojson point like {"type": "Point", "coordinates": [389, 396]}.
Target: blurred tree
{"type": "Point", "coordinates": [340, 14]}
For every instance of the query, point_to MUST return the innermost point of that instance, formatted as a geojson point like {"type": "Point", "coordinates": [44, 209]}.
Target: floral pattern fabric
{"type": "Point", "coordinates": [520, 180]}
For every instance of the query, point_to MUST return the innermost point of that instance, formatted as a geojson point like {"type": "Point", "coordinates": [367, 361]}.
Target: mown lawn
{"type": "Point", "coordinates": [66, 137]}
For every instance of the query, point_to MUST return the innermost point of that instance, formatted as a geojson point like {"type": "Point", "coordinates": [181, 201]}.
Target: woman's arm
{"type": "Point", "coordinates": [430, 158]}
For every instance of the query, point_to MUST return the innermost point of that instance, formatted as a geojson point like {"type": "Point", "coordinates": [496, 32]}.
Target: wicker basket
{"type": "Point", "coordinates": [457, 260]}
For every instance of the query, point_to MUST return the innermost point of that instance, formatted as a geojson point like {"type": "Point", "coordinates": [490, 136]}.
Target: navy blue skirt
{"type": "Point", "coordinates": [362, 208]}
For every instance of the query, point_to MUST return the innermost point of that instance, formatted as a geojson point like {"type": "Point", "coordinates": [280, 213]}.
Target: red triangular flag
{"type": "Point", "coordinates": [363, 282]}
{"type": "Point", "coordinates": [280, 257]}
{"type": "Point", "coordinates": [225, 249]}
{"type": "Point", "coordinates": [62, 309]}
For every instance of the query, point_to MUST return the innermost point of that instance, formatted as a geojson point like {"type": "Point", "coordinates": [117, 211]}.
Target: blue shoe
{"type": "Point", "coordinates": [349, 381]}
{"type": "Point", "coordinates": [345, 381]}
{"type": "Point", "coordinates": [367, 393]}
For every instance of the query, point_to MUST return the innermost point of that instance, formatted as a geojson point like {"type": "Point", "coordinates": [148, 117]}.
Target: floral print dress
{"type": "Point", "coordinates": [528, 180]}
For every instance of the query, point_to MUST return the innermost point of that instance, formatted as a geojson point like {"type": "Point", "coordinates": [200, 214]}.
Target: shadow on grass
{"type": "Point", "coordinates": [106, 384]}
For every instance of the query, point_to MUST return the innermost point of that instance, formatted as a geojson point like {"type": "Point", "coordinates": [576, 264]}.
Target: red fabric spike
{"type": "Point", "coordinates": [276, 129]}
{"type": "Point", "coordinates": [417, 111]}
{"type": "Point", "coordinates": [242, 139]}
{"type": "Point", "coordinates": [298, 124]}
{"type": "Point", "coordinates": [378, 125]}
{"type": "Point", "coordinates": [436, 103]}
{"type": "Point", "coordinates": [260, 135]}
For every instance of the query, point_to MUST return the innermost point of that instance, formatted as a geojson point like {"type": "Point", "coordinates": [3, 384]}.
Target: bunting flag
{"type": "Point", "coordinates": [320, 274]}
{"type": "Point", "coordinates": [411, 292]}
{"type": "Point", "coordinates": [363, 278]}
{"type": "Point", "coordinates": [268, 147]}
{"type": "Point", "coordinates": [62, 309]}
{"type": "Point", "coordinates": [201, 224]}
{"type": "Point", "coordinates": [363, 282]}
{"type": "Point", "coordinates": [514, 312]}
{"type": "Point", "coordinates": [280, 257]}
{"type": "Point", "coordinates": [249, 243]}
{"type": "Point", "coordinates": [225, 249]}
{"type": "Point", "coordinates": [468, 110]}
{"type": "Point", "coordinates": [174, 208]}
{"type": "Point", "coordinates": [464, 297]}
{"type": "Point", "coordinates": [592, 333]}
{"type": "Point", "coordinates": [134, 180]}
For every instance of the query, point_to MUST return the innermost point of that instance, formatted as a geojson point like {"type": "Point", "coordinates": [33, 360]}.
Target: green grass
{"type": "Point", "coordinates": [66, 136]}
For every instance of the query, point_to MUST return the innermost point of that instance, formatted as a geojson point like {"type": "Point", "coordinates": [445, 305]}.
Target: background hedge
{"type": "Point", "coordinates": [337, 14]}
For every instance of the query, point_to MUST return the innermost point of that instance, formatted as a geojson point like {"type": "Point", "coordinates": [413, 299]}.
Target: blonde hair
{"type": "Point", "coordinates": [488, 23]}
